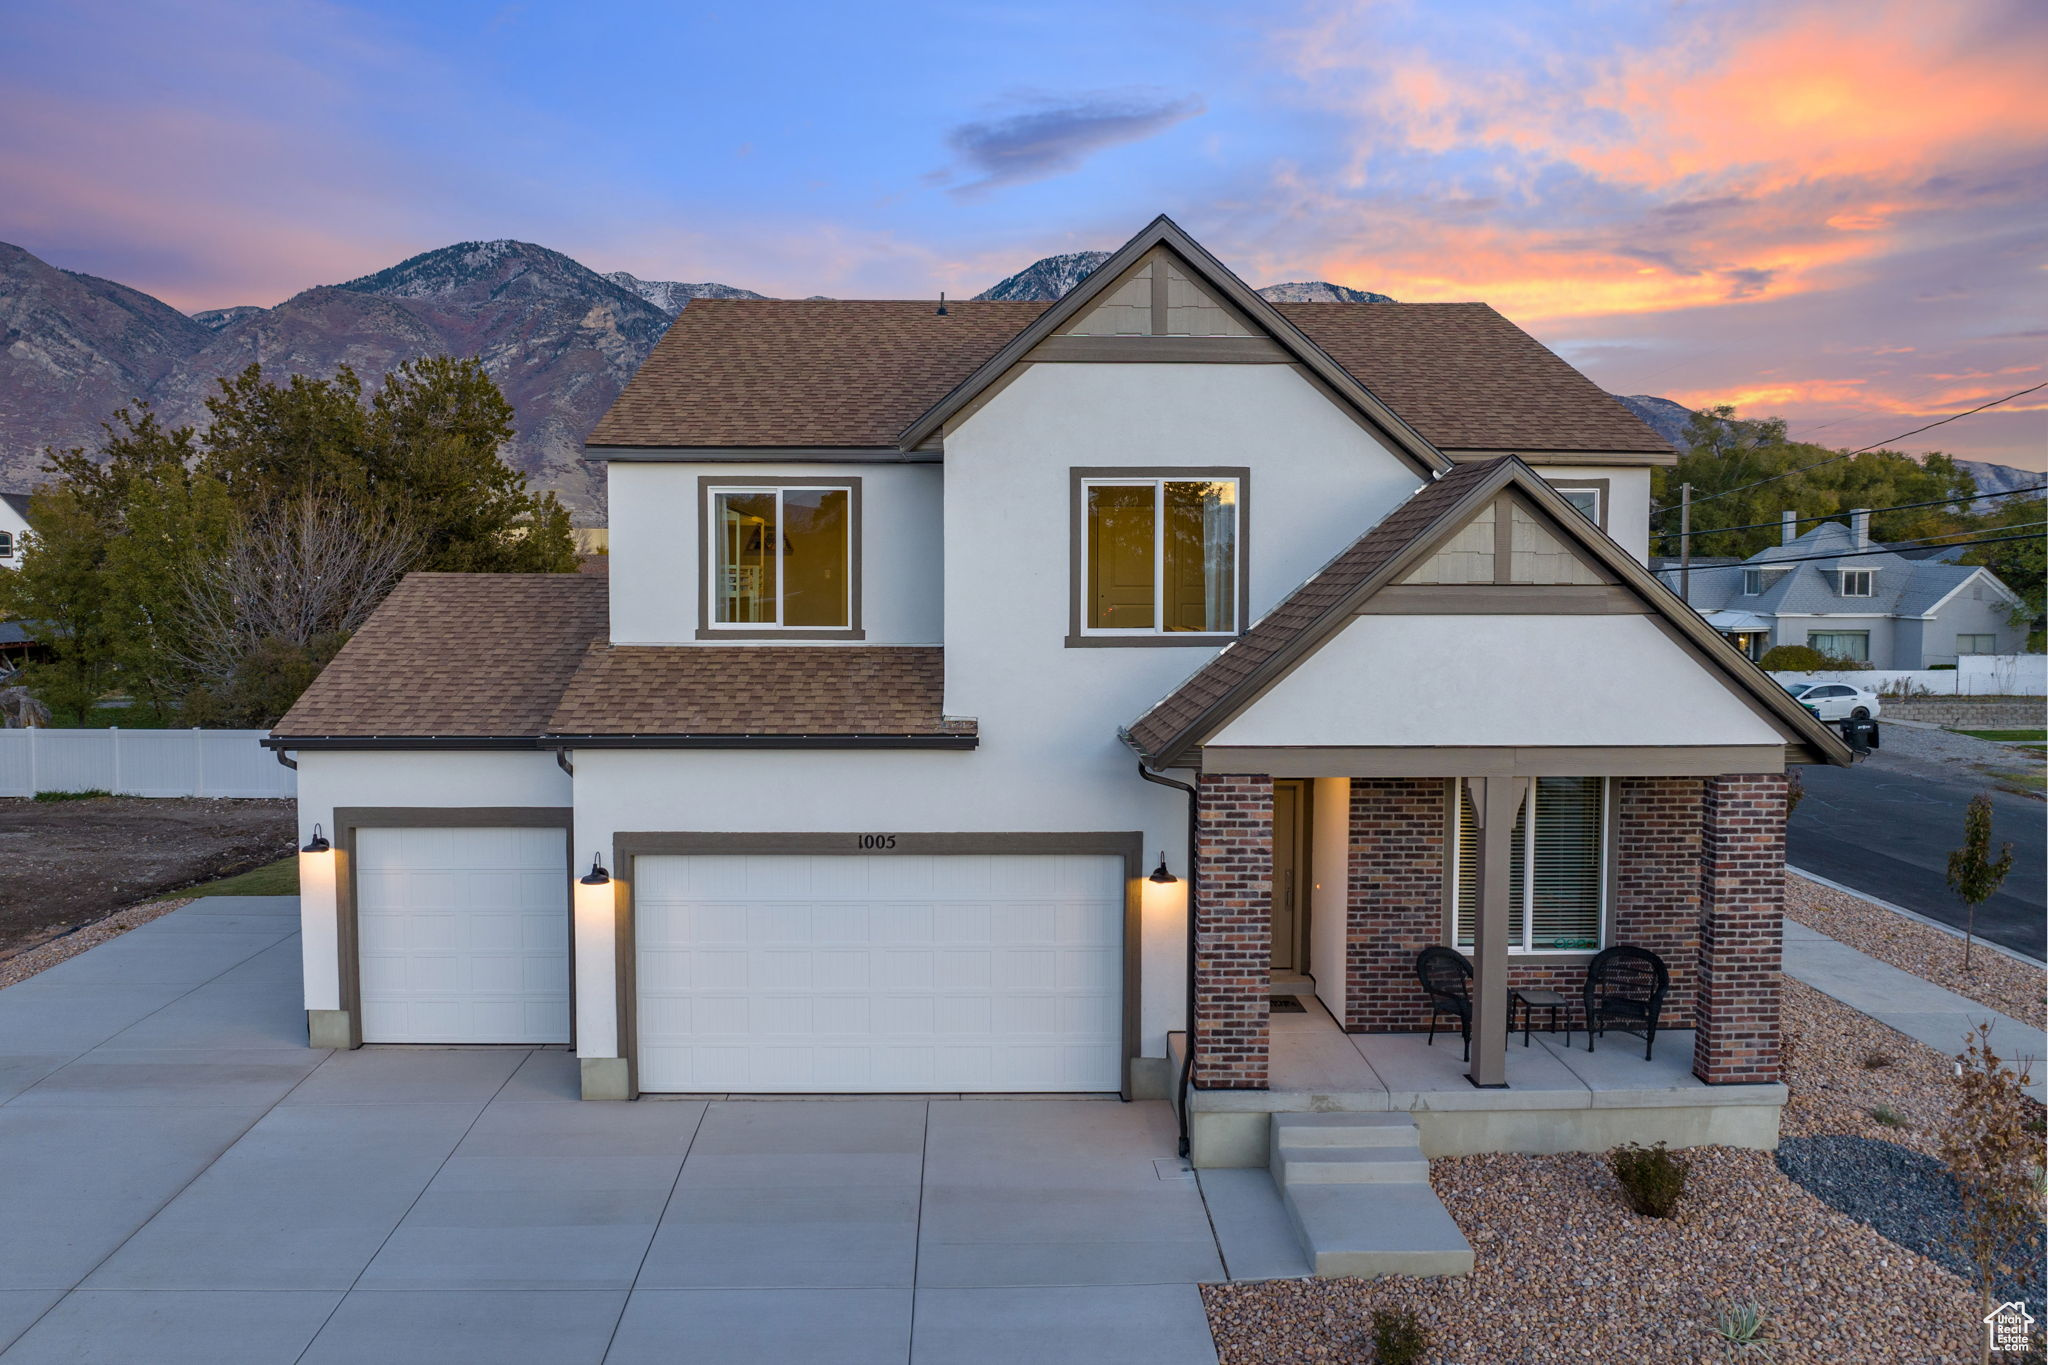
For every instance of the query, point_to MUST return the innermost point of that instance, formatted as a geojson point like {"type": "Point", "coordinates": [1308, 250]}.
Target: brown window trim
{"type": "Point", "coordinates": [1077, 535]}
{"type": "Point", "coordinates": [706, 570]}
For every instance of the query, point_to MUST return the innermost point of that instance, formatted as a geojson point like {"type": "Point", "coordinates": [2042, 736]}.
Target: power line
{"type": "Point", "coordinates": [1828, 516]}
{"type": "Point", "coordinates": [1848, 454]}
{"type": "Point", "coordinates": [1853, 554]}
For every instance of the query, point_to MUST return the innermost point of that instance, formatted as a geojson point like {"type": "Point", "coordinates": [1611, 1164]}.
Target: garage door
{"type": "Point", "coordinates": [903, 972]}
{"type": "Point", "coordinates": [463, 935]}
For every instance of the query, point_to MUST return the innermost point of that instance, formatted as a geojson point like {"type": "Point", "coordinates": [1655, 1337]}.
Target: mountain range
{"type": "Point", "coordinates": [560, 339]}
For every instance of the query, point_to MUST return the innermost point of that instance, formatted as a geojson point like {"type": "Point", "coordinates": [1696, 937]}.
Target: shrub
{"type": "Point", "coordinates": [1888, 1116]}
{"type": "Point", "coordinates": [1398, 1337]}
{"type": "Point", "coordinates": [1874, 1061]}
{"type": "Point", "coordinates": [1651, 1178]}
{"type": "Point", "coordinates": [89, 794]}
{"type": "Point", "coordinates": [1746, 1327]}
{"type": "Point", "coordinates": [1792, 659]}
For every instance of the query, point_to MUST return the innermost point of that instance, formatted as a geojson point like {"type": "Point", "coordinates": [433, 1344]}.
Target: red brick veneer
{"type": "Point", "coordinates": [1742, 888]}
{"type": "Point", "coordinates": [1233, 930]}
{"type": "Point", "coordinates": [1400, 863]}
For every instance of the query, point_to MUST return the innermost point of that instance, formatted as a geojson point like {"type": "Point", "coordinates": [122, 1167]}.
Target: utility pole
{"type": "Point", "coordinates": [1685, 543]}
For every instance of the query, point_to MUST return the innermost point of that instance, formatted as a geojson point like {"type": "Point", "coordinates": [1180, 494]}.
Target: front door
{"type": "Point", "coordinates": [1290, 868]}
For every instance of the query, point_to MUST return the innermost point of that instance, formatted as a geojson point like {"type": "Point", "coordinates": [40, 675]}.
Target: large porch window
{"type": "Point", "coordinates": [1557, 883]}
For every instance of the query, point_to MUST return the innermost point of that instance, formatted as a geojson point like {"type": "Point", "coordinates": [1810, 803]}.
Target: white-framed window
{"type": "Point", "coordinates": [780, 557]}
{"type": "Point", "coordinates": [6, 544]}
{"type": "Point", "coordinates": [1976, 644]}
{"type": "Point", "coordinates": [1857, 582]}
{"type": "Point", "coordinates": [1557, 883]}
{"type": "Point", "coordinates": [1841, 644]}
{"type": "Point", "coordinates": [1586, 499]}
{"type": "Point", "coordinates": [1159, 556]}
{"type": "Point", "coordinates": [1752, 582]}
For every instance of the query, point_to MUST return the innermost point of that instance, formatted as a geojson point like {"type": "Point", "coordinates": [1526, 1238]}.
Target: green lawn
{"type": "Point", "coordinates": [2008, 736]}
{"type": "Point", "coordinates": [280, 878]}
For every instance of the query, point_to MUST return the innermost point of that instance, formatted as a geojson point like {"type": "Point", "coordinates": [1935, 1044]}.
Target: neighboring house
{"type": "Point", "coordinates": [1872, 604]}
{"type": "Point", "coordinates": [905, 607]}
{"type": "Point", "coordinates": [13, 526]}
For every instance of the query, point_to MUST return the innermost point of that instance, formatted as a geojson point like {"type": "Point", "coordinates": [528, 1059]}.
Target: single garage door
{"type": "Point", "coordinates": [888, 972]}
{"type": "Point", "coordinates": [463, 935]}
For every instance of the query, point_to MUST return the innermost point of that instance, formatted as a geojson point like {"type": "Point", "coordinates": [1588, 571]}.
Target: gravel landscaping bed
{"type": "Point", "coordinates": [1908, 1197]}
{"type": "Point", "coordinates": [24, 963]}
{"type": "Point", "coordinates": [1567, 1273]}
{"type": "Point", "coordinates": [2010, 987]}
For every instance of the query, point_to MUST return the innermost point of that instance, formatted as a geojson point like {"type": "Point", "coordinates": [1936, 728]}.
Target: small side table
{"type": "Point", "coordinates": [1533, 1000]}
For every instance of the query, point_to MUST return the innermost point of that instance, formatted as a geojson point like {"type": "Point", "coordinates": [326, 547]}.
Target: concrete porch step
{"type": "Point", "coordinates": [1349, 1165]}
{"type": "Point", "coordinates": [1344, 1130]}
{"type": "Point", "coordinates": [1390, 1229]}
{"type": "Point", "coordinates": [1356, 1187]}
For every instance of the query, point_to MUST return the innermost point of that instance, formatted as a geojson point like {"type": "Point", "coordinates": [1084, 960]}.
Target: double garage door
{"type": "Point", "coordinates": [762, 973]}
{"type": "Point", "coordinates": [886, 972]}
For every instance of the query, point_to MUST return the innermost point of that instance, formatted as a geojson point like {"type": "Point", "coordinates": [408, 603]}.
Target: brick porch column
{"type": "Point", "coordinates": [1742, 890]}
{"type": "Point", "coordinates": [1233, 930]}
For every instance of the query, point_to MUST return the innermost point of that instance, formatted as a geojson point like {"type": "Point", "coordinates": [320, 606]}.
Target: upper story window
{"type": "Point", "coordinates": [1857, 582]}
{"type": "Point", "coordinates": [1752, 582]}
{"type": "Point", "coordinates": [1159, 556]}
{"type": "Point", "coordinates": [1557, 878]}
{"type": "Point", "coordinates": [6, 544]}
{"type": "Point", "coordinates": [782, 559]}
{"type": "Point", "coordinates": [1589, 496]}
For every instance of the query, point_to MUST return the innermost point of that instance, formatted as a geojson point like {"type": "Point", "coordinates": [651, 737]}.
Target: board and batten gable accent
{"type": "Point", "coordinates": [1742, 919]}
{"type": "Point", "coordinates": [1233, 931]}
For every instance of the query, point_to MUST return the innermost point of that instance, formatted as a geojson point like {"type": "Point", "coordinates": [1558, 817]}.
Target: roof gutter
{"type": "Point", "coordinates": [557, 743]}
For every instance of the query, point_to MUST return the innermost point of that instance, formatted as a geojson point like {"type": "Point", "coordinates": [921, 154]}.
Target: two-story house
{"type": "Point", "coordinates": [1835, 590]}
{"type": "Point", "coordinates": [982, 693]}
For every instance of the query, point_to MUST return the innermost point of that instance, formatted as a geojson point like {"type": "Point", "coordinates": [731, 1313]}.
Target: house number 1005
{"type": "Point", "coordinates": [878, 841]}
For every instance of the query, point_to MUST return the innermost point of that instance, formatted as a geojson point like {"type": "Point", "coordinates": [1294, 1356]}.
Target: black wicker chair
{"type": "Point", "coordinates": [1447, 980]}
{"type": "Point", "coordinates": [1626, 986]}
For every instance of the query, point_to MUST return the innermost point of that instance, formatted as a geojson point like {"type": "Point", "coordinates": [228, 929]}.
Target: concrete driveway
{"type": "Point", "coordinates": [182, 1179]}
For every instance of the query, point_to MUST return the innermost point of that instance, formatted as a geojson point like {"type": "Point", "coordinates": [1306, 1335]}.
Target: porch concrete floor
{"type": "Point", "coordinates": [1311, 1056]}
{"type": "Point", "coordinates": [184, 1180]}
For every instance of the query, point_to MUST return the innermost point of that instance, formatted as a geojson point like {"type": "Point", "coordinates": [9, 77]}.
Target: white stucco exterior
{"type": "Point", "coordinates": [657, 560]}
{"type": "Point", "coordinates": [1628, 501]}
{"type": "Point", "coordinates": [1499, 681]}
{"type": "Point", "coordinates": [337, 779]}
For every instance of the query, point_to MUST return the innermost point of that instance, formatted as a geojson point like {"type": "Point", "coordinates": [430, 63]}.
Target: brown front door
{"type": "Point", "coordinates": [1290, 871]}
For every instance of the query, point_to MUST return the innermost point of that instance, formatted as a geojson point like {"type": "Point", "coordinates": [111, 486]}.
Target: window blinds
{"type": "Point", "coordinates": [1556, 881]}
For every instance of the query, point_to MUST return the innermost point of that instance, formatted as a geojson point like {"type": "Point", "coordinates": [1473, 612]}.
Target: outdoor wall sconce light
{"type": "Point", "coordinates": [597, 876]}
{"type": "Point", "coordinates": [1160, 875]}
{"type": "Point", "coordinates": [318, 843]}
{"type": "Point", "coordinates": [594, 904]}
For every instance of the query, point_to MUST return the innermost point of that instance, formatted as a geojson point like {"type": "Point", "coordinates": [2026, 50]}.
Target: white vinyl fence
{"type": "Point", "coordinates": [1975, 675]}
{"type": "Point", "coordinates": [142, 763]}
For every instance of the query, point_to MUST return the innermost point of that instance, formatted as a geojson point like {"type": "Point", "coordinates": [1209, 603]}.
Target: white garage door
{"type": "Point", "coordinates": [463, 935]}
{"type": "Point", "coordinates": [898, 972]}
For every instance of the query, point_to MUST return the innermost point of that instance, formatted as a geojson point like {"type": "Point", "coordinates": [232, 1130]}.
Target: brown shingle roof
{"type": "Point", "coordinates": [757, 690]}
{"type": "Point", "coordinates": [1468, 379]}
{"type": "Point", "coordinates": [804, 372]}
{"type": "Point", "coordinates": [1160, 732]}
{"type": "Point", "coordinates": [854, 373]}
{"type": "Point", "coordinates": [456, 654]}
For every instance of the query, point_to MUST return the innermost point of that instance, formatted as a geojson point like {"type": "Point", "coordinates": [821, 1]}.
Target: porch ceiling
{"type": "Point", "coordinates": [1340, 760]}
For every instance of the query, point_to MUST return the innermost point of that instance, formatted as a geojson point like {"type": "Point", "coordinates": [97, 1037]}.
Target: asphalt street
{"type": "Point", "coordinates": [1887, 826]}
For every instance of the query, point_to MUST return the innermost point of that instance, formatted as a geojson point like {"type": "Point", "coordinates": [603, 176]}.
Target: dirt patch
{"type": "Point", "coordinates": [67, 863]}
{"type": "Point", "coordinates": [19, 965]}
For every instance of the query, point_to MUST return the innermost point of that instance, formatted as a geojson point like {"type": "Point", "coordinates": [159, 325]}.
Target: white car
{"type": "Point", "coordinates": [1837, 701]}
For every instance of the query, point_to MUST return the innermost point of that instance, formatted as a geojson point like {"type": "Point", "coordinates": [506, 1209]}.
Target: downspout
{"type": "Point", "coordinates": [286, 759]}
{"type": "Point", "coordinates": [1187, 1058]}
{"type": "Point", "coordinates": [562, 762]}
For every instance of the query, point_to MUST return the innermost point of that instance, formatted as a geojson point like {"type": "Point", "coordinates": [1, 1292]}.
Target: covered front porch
{"type": "Point", "coordinates": [1560, 1096]}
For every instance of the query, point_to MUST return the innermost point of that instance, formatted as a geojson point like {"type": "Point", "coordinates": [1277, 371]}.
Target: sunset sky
{"type": "Point", "coordinates": [1832, 212]}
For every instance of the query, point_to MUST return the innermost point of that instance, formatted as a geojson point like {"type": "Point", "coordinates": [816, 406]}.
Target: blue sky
{"type": "Point", "coordinates": [1825, 210]}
